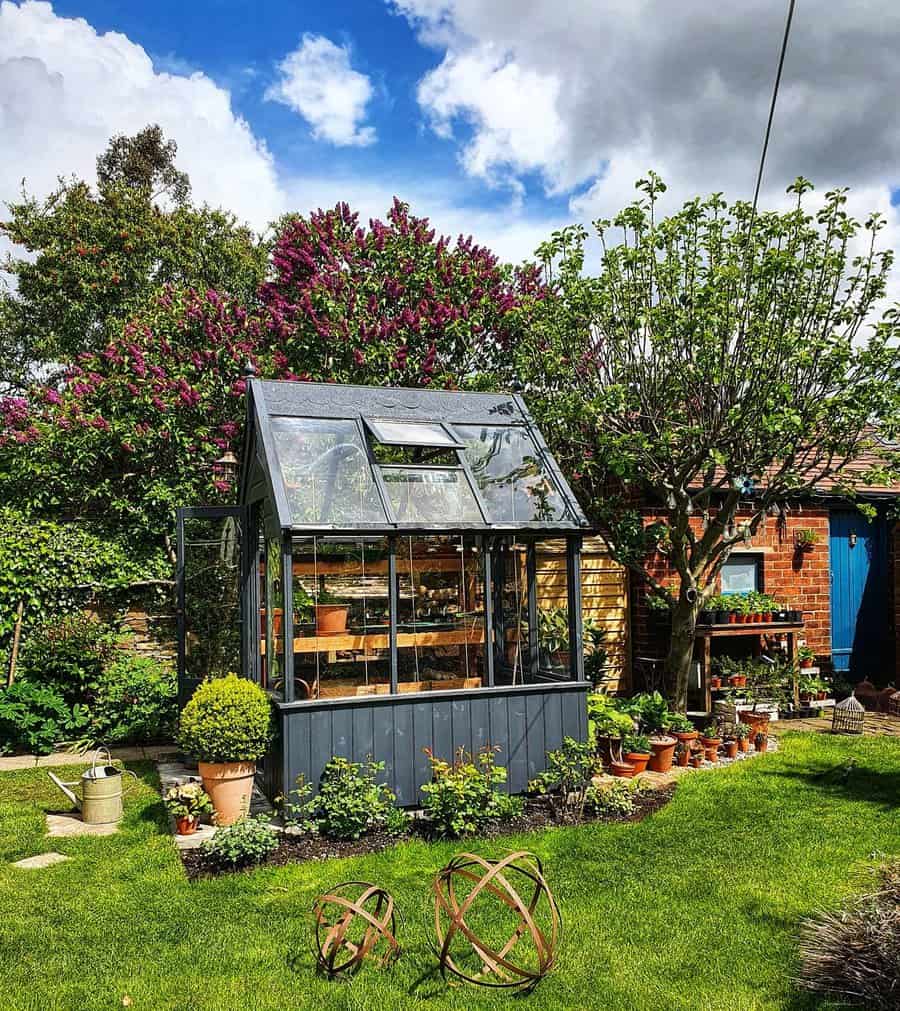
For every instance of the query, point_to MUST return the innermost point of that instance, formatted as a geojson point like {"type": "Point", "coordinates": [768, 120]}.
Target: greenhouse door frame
{"type": "Point", "coordinates": [241, 514]}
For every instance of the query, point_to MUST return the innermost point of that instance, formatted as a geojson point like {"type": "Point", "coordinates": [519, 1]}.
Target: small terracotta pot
{"type": "Point", "coordinates": [767, 616]}
{"type": "Point", "coordinates": [732, 618]}
{"type": "Point", "coordinates": [685, 738]}
{"type": "Point", "coordinates": [696, 761]}
{"type": "Point", "coordinates": [230, 786]}
{"type": "Point", "coordinates": [683, 757]}
{"type": "Point", "coordinates": [624, 770]}
{"type": "Point", "coordinates": [821, 695]}
{"type": "Point", "coordinates": [186, 825]}
{"type": "Point", "coordinates": [331, 619]}
{"type": "Point", "coordinates": [731, 749]}
{"type": "Point", "coordinates": [638, 759]}
{"type": "Point", "coordinates": [762, 742]}
{"type": "Point", "coordinates": [715, 682]}
{"type": "Point", "coordinates": [711, 747]}
{"type": "Point", "coordinates": [805, 664]}
{"type": "Point", "coordinates": [743, 744]}
{"type": "Point", "coordinates": [662, 751]}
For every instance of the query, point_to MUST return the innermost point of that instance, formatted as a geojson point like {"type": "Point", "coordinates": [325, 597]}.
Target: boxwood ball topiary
{"type": "Point", "coordinates": [227, 720]}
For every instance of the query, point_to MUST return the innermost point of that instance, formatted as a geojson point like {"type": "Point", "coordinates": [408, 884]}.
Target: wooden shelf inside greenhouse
{"type": "Point", "coordinates": [381, 640]}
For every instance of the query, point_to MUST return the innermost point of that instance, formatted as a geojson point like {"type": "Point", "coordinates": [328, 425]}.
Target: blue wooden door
{"type": "Point", "coordinates": [859, 611]}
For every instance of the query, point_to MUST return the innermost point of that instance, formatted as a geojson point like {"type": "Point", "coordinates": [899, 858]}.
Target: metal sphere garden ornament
{"type": "Point", "coordinates": [517, 882]}
{"type": "Point", "coordinates": [354, 921]}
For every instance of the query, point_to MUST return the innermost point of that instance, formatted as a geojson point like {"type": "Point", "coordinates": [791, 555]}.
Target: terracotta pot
{"type": "Point", "coordinates": [758, 722]}
{"type": "Point", "coordinates": [762, 743]}
{"type": "Point", "coordinates": [602, 742]}
{"type": "Point", "coordinates": [737, 681]}
{"type": "Point", "coordinates": [732, 618]}
{"type": "Point", "coordinates": [696, 761]}
{"type": "Point", "coordinates": [711, 747]}
{"type": "Point", "coordinates": [757, 618]}
{"type": "Point", "coordinates": [731, 749]}
{"type": "Point", "coordinates": [767, 616]}
{"type": "Point", "coordinates": [683, 757]}
{"type": "Point", "coordinates": [821, 695]}
{"type": "Point", "coordinates": [805, 664]}
{"type": "Point", "coordinates": [331, 619]}
{"type": "Point", "coordinates": [743, 744]}
{"type": "Point", "coordinates": [638, 759]}
{"type": "Point", "coordinates": [715, 682]}
{"type": "Point", "coordinates": [662, 751]}
{"type": "Point", "coordinates": [806, 696]}
{"type": "Point", "coordinates": [186, 825]}
{"type": "Point", "coordinates": [624, 770]}
{"type": "Point", "coordinates": [229, 785]}
{"type": "Point", "coordinates": [685, 738]}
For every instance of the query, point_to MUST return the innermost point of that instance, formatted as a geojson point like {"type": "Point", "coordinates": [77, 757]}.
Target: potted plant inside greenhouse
{"type": "Point", "coordinates": [226, 726]}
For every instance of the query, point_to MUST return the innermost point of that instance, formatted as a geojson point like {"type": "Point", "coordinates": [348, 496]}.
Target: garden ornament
{"type": "Point", "coordinates": [354, 921]}
{"type": "Point", "coordinates": [100, 802]}
{"type": "Point", "coordinates": [516, 881]}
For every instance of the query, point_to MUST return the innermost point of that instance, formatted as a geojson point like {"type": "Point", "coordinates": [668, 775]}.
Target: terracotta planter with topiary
{"type": "Point", "coordinates": [227, 726]}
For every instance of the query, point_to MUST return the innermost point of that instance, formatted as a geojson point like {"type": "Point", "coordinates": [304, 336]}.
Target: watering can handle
{"type": "Point", "coordinates": [131, 786]}
{"type": "Point", "coordinates": [97, 755]}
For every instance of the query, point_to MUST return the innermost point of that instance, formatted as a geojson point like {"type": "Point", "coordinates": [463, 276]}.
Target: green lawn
{"type": "Point", "coordinates": [693, 908]}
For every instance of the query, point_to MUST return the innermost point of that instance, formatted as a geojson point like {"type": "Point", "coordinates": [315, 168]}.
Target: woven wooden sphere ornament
{"type": "Point", "coordinates": [517, 882]}
{"type": "Point", "coordinates": [354, 921]}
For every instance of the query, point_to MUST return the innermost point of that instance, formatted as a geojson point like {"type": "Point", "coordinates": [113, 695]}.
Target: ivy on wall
{"type": "Point", "coordinates": [53, 567]}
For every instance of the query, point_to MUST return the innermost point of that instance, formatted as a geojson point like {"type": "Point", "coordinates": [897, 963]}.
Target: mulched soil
{"type": "Point", "coordinates": [537, 816]}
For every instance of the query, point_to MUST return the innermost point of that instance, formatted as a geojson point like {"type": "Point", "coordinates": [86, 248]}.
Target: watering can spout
{"type": "Point", "coordinates": [73, 797]}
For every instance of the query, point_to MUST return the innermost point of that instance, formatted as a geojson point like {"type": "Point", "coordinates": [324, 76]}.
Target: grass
{"type": "Point", "coordinates": [696, 907]}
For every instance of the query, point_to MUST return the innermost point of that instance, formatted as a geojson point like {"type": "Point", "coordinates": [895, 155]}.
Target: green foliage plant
{"type": "Point", "coordinates": [35, 718]}
{"type": "Point", "coordinates": [613, 798]}
{"type": "Point", "coordinates": [462, 796]}
{"type": "Point", "coordinates": [135, 702]}
{"type": "Point", "coordinates": [351, 801]}
{"type": "Point", "coordinates": [567, 779]}
{"type": "Point", "coordinates": [188, 800]}
{"type": "Point", "coordinates": [638, 744]}
{"type": "Point", "coordinates": [227, 719]}
{"type": "Point", "coordinates": [245, 843]}
{"type": "Point", "coordinates": [720, 361]}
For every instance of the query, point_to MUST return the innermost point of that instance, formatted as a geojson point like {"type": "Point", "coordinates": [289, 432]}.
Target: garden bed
{"type": "Point", "coordinates": [315, 847]}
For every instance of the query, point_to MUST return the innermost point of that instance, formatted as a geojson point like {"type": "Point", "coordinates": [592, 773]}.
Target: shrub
{"type": "Point", "coordinates": [227, 720]}
{"type": "Point", "coordinates": [35, 718]}
{"type": "Point", "coordinates": [247, 842]}
{"type": "Point", "coordinates": [351, 801]}
{"type": "Point", "coordinates": [462, 797]}
{"type": "Point", "coordinates": [136, 701]}
{"type": "Point", "coordinates": [853, 956]}
{"type": "Point", "coordinates": [567, 778]}
{"type": "Point", "coordinates": [615, 798]}
{"type": "Point", "coordinates": [70, 653]}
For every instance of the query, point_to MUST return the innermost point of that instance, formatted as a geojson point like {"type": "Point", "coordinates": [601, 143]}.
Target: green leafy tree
{"type": "Point", "coordinates": [92, 258]}
{"type": "Point", "coordinates": [719, 365]}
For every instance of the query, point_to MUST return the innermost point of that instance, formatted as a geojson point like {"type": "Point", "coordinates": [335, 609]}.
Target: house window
{"type": "Point", "coordinates": [742, 574]}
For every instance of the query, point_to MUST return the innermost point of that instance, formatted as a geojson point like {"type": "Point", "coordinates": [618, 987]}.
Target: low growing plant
{"type": "Point", "coordinates": [351, 801]}
{"type": "Point", "coordinates": [567, 779]}
{"type": "Point", "coordinates": [247, 842]}
{"type": "Point", "coordinates": [34, 718]}
{"type": "Point", "coordinates": [637, 744]}
{"type": "Point", "coordinates": [615, 798]}
{"type": "Point", "coordinates": [189, 800]}
{"type": "Point", "coordinates": [462, 796]}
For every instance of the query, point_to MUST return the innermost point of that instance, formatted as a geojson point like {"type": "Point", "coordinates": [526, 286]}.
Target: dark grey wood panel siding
{"type": "Point", "coordinates": [524, 723]}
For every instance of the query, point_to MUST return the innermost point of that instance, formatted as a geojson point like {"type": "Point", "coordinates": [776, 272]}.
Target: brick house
{"type": "Point", "coordinates": [847, 585]}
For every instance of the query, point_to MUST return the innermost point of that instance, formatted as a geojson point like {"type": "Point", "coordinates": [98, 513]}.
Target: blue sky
{"type": "Point", "coordinates": [500, 118]}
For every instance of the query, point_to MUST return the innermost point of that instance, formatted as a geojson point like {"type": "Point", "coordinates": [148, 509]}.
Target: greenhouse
{"type": "Point", "coordinates": [410, 580]}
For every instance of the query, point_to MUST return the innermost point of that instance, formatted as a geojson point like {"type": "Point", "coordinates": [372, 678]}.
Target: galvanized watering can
{"type": "Point", "coordinates": [101, 791]}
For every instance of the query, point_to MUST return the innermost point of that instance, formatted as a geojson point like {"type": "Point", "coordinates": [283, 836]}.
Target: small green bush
{"type": "Point", "coordinates": [189, 800]}
{"type": "Point", "coordinates": [614, 798]}
{"type": "Point", "coordinates": [136, 702]}
{"type": "Point", "coordinates": [70, 653]}
{"type": "Point", "coordinates": [351, 801]}
{"type": "Point", "coordinates": [462, 796]}
{"type": "Point", "coordinates": [227, 720]}
{"type": "Point", "coordinates": [35, 718]}
{"type": "Point", "coordinates": [567, 779]}
{"type": "Point", "coordinates": [247, 842]}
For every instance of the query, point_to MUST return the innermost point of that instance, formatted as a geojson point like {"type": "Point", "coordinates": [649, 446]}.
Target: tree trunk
{"type": "Point", "coordinates": [681, 651]}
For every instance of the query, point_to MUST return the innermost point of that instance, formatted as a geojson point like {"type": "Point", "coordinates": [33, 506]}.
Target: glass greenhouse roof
{"type": "Point", "coordinates": [335, 457]}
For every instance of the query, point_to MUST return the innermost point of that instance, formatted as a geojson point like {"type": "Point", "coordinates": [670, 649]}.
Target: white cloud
{"type": "Point", "coordinates": [317, 81]}
{"type": "Point", "coordinates": [65, 90]}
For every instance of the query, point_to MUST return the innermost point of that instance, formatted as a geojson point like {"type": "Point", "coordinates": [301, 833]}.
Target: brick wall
{"type": "Point", "coordinates": [798, 580]}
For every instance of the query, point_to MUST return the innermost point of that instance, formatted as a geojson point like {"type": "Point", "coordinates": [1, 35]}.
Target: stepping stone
{"type": "Point", "coordinates": [40, 861]}
{"type": "Point", "coordinates": [67, 825]}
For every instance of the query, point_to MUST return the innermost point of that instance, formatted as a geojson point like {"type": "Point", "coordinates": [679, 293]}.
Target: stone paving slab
{"type": "Point", "coordinates": [40, 861]}
{"type": "Point", "coordinates": [64, 826]}
{"type": "Point", "coordinates": [876, 724]}
{"type": "Point", "coordinates": [154, 752]}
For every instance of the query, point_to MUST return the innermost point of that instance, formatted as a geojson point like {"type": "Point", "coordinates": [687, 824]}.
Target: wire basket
{"type": "Point", "coordinates": [849, 716]}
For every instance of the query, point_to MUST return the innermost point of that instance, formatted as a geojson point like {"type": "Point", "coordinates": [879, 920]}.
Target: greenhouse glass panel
{"type": "Point", "coordinates": [326, 472]}
{"type": "Point", "coordinates": [408, 433]}
{"type": "Point", "coordinates": [430, 496]}
{"type": "Point", "coordinates": [515, 486]}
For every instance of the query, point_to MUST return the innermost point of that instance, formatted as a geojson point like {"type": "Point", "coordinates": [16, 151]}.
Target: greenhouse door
{"type": "Point", "coordinates": [210, 573]}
